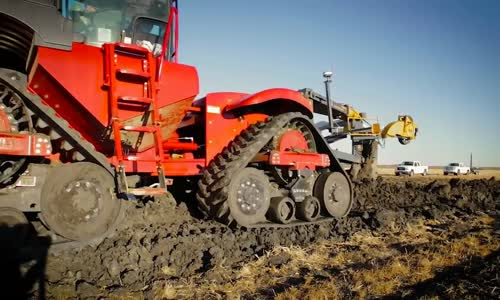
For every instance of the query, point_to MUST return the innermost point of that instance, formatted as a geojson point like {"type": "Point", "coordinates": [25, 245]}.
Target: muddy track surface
{"type": "Point", "coordinates": [163, 241]}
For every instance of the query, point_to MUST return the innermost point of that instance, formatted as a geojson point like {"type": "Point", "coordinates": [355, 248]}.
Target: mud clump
{"type": "Point", "coordinates": [163, 241]}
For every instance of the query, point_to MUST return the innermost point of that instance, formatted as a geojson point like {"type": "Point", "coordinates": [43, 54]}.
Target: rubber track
{"type": "Point", "coordinates": [213, 185]}
{"type": "Point", "coordinates": [49, 115]}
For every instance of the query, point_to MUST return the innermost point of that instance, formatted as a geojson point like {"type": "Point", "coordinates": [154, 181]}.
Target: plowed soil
{"type": "Point", "coordinates": [162, 251]}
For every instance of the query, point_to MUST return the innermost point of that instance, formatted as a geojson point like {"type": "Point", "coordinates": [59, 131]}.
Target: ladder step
{"type": "Point", "coordinates": [147, 191]}
{"type": "Point", "coordinates": [135, 100]}
{"type": "Point", "coordinates": [131, 48]}
{"type": "Point", "coordinates": [148, 129]}
{"type": "Point", "coordinates": [134, 73]}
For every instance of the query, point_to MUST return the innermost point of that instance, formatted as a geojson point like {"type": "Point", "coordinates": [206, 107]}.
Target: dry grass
{"type": "Point", "coordinates": [365, 266]}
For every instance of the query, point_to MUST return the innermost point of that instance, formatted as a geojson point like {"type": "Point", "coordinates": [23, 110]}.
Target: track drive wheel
{"type": "Point", "coordinates": [78, 201]}
{"type": "Point", "coordinates": [282, 210]}
{"type": "Point", "coordinates": [309, 209]}
{"type": "Point", "coordinates": [248, 196]}
{"type": "Point", "coordinates": [295, 136]}
{"type": "Point", "coordinates": [334, 193]}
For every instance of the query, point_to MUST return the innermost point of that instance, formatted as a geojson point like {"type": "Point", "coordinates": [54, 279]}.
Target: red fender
{"type": "Point", "coordinates": [278, 100]}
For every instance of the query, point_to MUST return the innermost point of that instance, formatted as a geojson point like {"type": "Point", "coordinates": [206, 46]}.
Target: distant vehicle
{"type": "Point", "coordinates": [474, 170]}
{"type": "Point", "coordinates": [456, 168]}
{"type": "Point", "coordinates": [411, 168]}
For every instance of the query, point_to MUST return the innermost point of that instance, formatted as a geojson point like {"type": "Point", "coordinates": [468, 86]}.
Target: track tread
{"type": "Point", "coordinates": [213, 185]}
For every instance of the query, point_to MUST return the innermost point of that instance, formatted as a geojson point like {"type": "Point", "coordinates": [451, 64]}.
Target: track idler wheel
{"type": "Point", "coordinates": [249, 196]}
{"type": "Point", "coordinates": [78, 201]}
{"type": "Point", "coordinates": [334, 193]}
{"type": "Point", "coordinates": [281, 210]}
{"type": "Point", "coordinates": [309, 209]}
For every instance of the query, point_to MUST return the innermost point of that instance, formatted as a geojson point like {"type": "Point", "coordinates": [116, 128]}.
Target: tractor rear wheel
{"type": "Point", "coordinates": [78, 201]}
{"type": "Point", "coordinates": [334, 194]}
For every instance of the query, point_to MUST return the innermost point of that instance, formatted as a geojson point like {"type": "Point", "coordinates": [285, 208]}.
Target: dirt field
{"type": "Point", "coordinates": [404, 238]}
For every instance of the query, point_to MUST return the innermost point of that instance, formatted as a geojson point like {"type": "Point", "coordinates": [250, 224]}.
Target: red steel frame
{"type": "Point", "coordinates": [22, 144]}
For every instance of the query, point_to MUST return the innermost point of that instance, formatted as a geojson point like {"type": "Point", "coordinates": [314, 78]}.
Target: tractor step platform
{"type": "Point", "coordinates": [130, 48]}
{"type": "Point", "coordinates": [134, 73]}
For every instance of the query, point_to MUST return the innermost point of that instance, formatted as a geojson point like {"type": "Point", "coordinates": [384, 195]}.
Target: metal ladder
{"type": "Point", "coordinates": [145, 77]}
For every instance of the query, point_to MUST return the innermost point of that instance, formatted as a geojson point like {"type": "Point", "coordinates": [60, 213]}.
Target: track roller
{"type": "Point", "coordinates": [281, 210]}
{"type": "Point", "coordinates": [309, 209]}
{"type": "Point", "coordinates": [334, 193]}
{"type": "Point", "coordinates": [77, 202]}
{"type": "Point", "coordinates": [248, 196]}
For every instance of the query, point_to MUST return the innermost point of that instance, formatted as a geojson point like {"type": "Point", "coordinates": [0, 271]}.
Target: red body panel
{"type": "Point", "coordinates": [298, 161]}
{"type": "Point", "coordinates": [285, 96]}
{"type": "Point", "coordinates": [72, 82]}
{"type": "Point", "coordinates": [222, 127]}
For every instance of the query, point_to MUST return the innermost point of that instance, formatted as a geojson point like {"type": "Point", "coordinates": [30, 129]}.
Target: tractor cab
{"type": "Point", "coordinates": [137, 22]}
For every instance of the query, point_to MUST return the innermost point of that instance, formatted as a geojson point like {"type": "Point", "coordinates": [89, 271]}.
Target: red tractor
{"type": "Point", "coordinates": [95, 108]}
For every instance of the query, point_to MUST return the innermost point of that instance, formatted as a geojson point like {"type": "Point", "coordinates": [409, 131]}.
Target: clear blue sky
{"type": "Point", "coordinates": [438, 61]}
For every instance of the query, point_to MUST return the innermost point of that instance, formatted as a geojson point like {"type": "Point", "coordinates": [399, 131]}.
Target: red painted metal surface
{"type": "Point", "coordinates": [179, 146]}
{"type": "Point", "coordinates": [4, 122]}
{"type": "Point", "coordinates": [292, 140]}
{"type": "Point", "coordinates": [298, 161]}
{"type": "Point", "coordinates": [222, 127]}
{"type": "Point", "coordinates": [180, 166]}
{"type": "Point", "coordinates": [79, 93]}
{"type": "Point", "coordinates": [173, 15]}
{"type": "Point", "coordinates": [24, 144]}
{"type": "Point", "coordinates": [284, 98]}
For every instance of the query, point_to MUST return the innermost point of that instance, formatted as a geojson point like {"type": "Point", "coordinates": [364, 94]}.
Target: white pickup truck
{"type": "Point", "coordinates": [456, 168]}
{"type": "Point", "coordinates": [411, 168]}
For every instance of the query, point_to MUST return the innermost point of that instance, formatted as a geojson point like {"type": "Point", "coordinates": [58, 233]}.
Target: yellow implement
{"type": "Point", "coordinates": [404, 129]}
